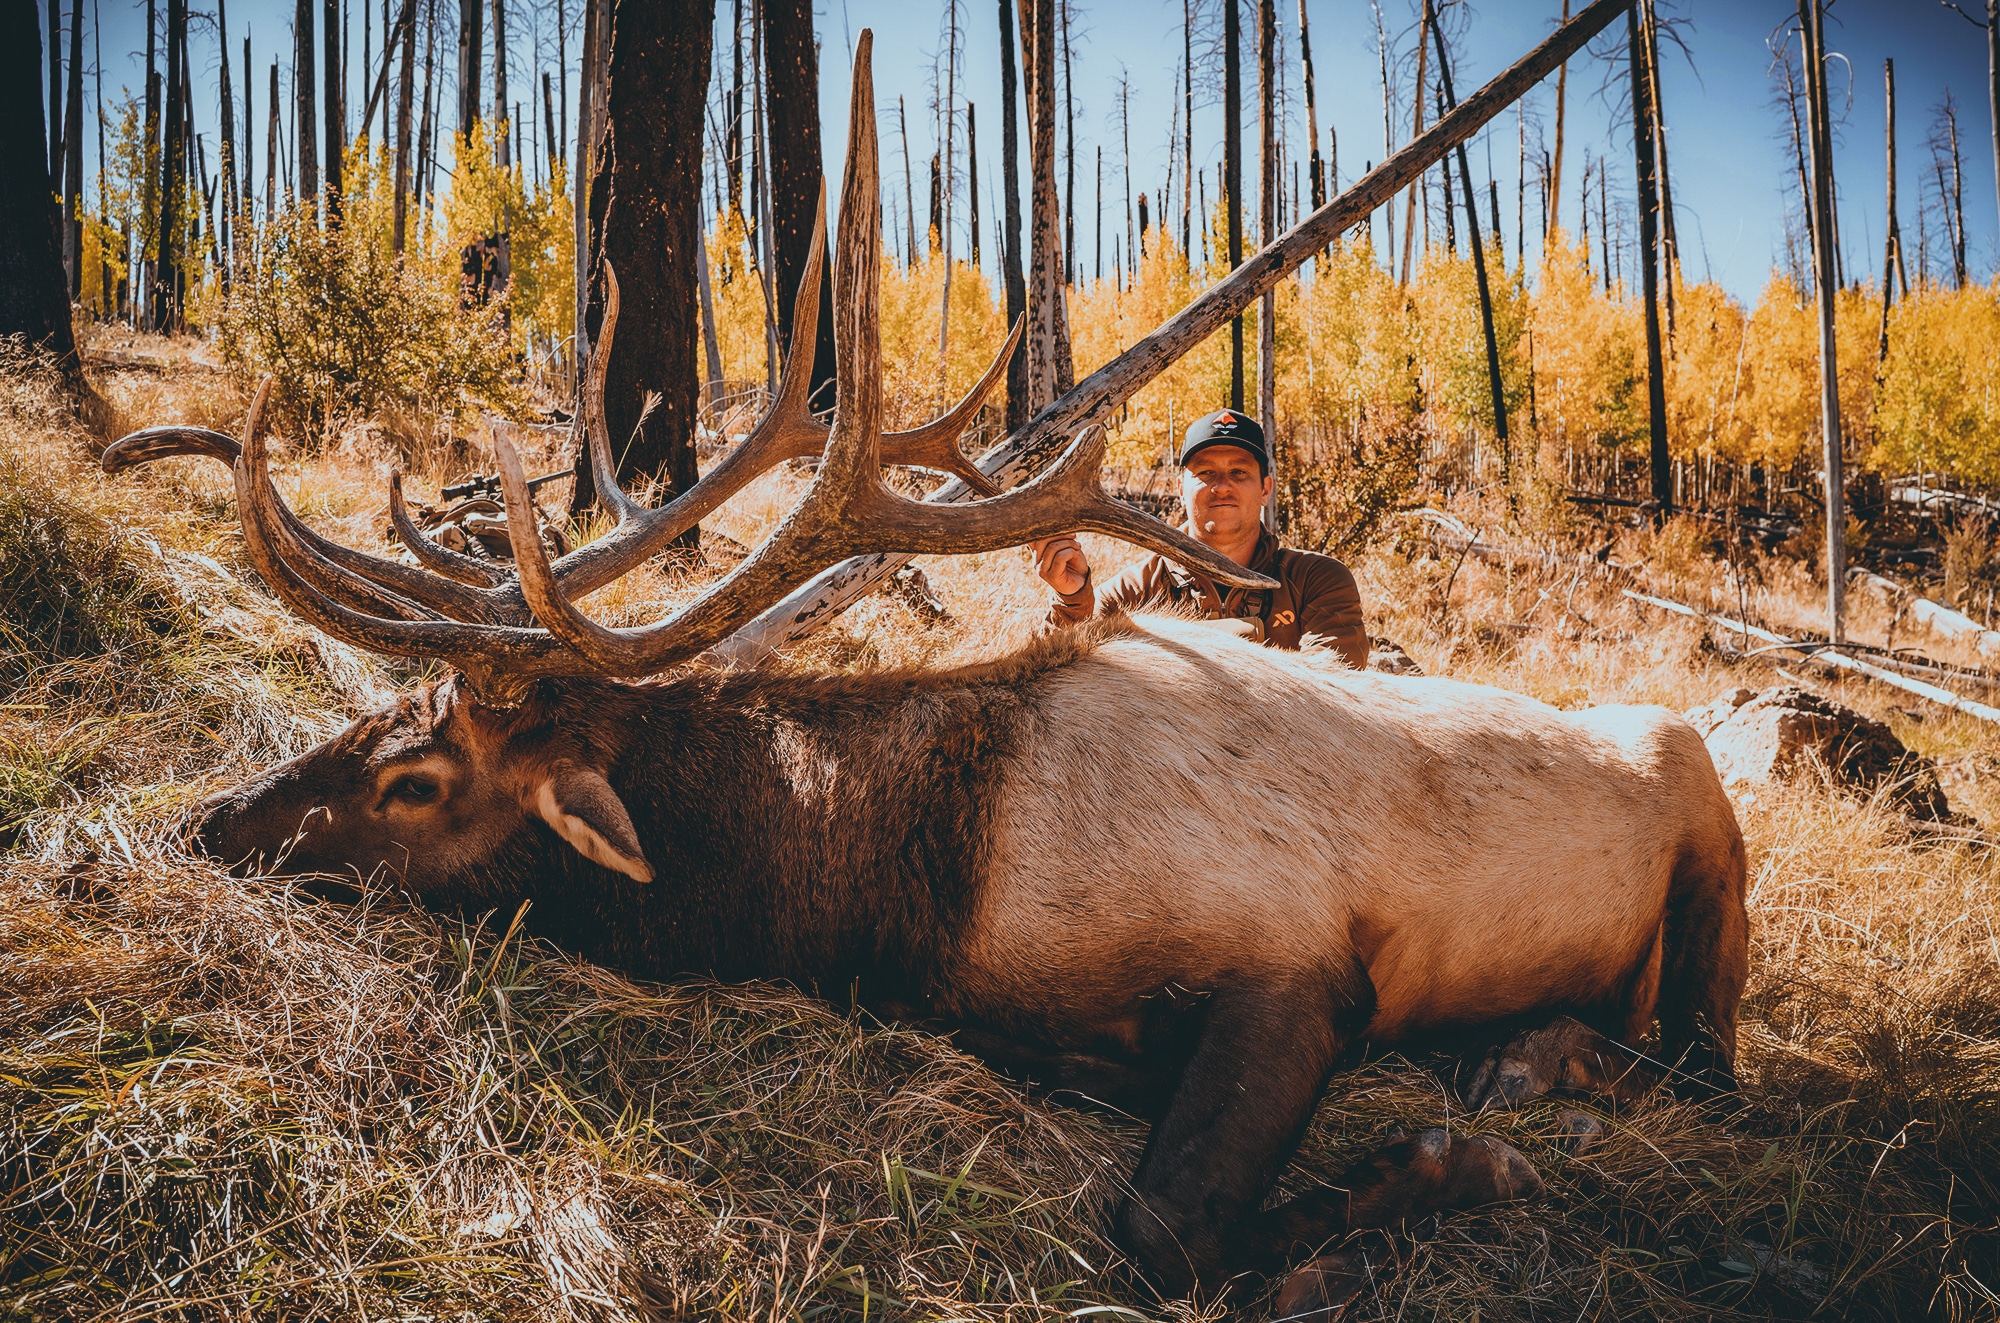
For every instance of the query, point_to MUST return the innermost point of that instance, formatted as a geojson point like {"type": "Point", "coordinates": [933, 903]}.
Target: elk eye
{"type": "Point", "coordinates": [414, 790]}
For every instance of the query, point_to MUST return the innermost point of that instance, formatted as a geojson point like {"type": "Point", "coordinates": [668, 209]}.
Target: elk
{"type": "Point", "coordinates": [1141, 860]}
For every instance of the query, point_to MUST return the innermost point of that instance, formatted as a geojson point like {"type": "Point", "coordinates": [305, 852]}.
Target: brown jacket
{"type": "Point", "coordinates": [1316, 600]}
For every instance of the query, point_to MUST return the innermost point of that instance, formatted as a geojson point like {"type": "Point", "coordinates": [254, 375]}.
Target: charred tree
{"type": "Point", "coordinates": [1010, 188]}
{"type": "Point", "coordinates": [1670, 244]}
{"type": "Point", "coordinates": [1556, 160]}
{"type": "Point", "coordinates": [791, 77]}
{"type": "Point", "coordinates": [501, 119]}
{"type": "Point", "coordinates": [33, 301]}
{"type": "Point", "coordinates": [1049, 368]}
{"type": "Point", "coordinates": [732, 139]}
{"type": "Point", "coordinates": [1069, 156]}
{"type": "Point", "coordinates": [1827, 285]}
{"type": "Point", "coordinates": [173, 163]}
{"type": "Point", "coordinates": [1187, 128]}
{"type": "Point", "coordinates": [336, 110]}
{"type": "Point", "coordinates": [304, 82]}
{"type": "Point", "coordinates": [1268, 223]}
{"type": "Point", "coordinates": [1315, 168]}
{"type": "Point", "coordinates": [1891, 233]}
{"type": "Point", "coordinates": [471, 56]}
{"type": "Point", "coordinates": [645, 221]}
{"type": "Point", "coordinates": [406, 88]}
{"type": "Point", "coordinates": [72, 191]}
{"type": "Point", "coordinates": [1232, 177]}
{"type": "Point", "coordinates": [1644, 159]}
{"type": "Point", "coordinates": [1420, 192]}
{"type": "Point", "coordinates": [972, 179]}
{"type": "Point", "coordinates": [1473, 241]}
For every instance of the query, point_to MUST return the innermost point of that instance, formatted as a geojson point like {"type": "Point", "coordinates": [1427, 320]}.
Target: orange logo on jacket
{"type": "Point", "coordinates": [1283, 618]}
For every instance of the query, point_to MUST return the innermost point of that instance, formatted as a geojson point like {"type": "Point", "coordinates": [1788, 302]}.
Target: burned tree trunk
{"type": "Point", "coordinates": [1010, 187]}
{"type": "Point", "coordinates": [1556, 161]}
{"type": "Point", "coordinates": [1049, 368]}
{"type": "Point", "coordinates": [1268, 222]}
{"type": "Point", "coordinates": [72, 193]}
{"type": "Point", "coordinates": [173, 160]}
{"type": "Point", "coordinates": [406, 86]}
{"type": "Point", "coordinates": [1649, 293]}
{"type": "Point", "coordinates": [1232, 177]}
{"type": "Point", "coordinates": [791, 77]}
{"type": "Point", "coordinates": [33, 302]}
{"type": "Point", "coordinates": [336, 126]}
{"type": "Point", "coordinates": [1827, 284]}
{"type": "Point", "coordinates": [1478, 247]}
{"type": "Point", "coordinates": [1315, 167]}
{"type": "Point", "coordinates": [1891, 236]}
{"type": "Point", "coordinates": [302, 100]}
{"type": "Point", "coordinates": [645, 224]}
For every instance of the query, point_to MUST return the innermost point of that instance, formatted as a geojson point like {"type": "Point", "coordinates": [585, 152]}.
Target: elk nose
{"type": "Point", "coordinates": [208, 825]}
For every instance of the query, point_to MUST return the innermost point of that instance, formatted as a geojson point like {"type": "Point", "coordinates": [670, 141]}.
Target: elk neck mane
{"type": "Point", "coordinates": [821, 827]}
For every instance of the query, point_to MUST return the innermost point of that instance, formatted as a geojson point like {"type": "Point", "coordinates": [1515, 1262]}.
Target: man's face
{"type": "Point", "coordinates": [1224, 492]}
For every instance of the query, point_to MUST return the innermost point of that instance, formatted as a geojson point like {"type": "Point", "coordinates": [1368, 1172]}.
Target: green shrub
{"type": "Point", "coordinates": [351, 330]}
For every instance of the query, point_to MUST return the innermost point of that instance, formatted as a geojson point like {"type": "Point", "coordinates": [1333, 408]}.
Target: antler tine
{"type": "Point", "coordinates": [787, 431]}
{"type": "Point", "coordinates": [365, 581]}
{"type": "Point", "coordinates": [849, 509]}
{"type": "Point", "coordinates": [499, 660]}
{"type": "Point", "coordinates": [597, 431]}
{"type": "Point", "coordinates": [935, 444]}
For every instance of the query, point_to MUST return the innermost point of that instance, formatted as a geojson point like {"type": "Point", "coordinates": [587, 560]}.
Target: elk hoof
{"type": "Point", "coordinates": [1320, 1290]}
{"type": "Point", "coordinates": [1431, 1172]}
{"type": "Point", "coordinates": [1566, 1054]}
{"type": "Point", "coordinates": [1578, 1133]}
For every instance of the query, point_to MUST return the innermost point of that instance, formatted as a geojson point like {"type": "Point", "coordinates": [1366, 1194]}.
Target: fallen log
{"type": "Point", "coordinates": [1822, 654]}
{"type": "Point", "coordinates": [1934, 616]}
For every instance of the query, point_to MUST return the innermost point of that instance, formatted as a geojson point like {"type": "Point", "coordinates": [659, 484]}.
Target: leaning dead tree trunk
{"type": "Point", "coordinates": [645, 218]}
{"type": "Point", "coordinates": [1649, 274]}
{"type": "Point", "coordinates": [33, 301]}
{"type": "Point", "coordinates": [1478, 246]}
{"type": "Point", "coordinates": [1827, 287]}
{"type": "Point", "coordinates": [1029, 448]}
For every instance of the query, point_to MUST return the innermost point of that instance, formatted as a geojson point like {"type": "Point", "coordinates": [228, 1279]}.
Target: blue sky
{"type": "Point", "coordinates": [1732, 168]}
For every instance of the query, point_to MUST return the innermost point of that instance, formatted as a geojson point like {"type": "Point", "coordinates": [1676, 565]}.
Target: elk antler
{"type": "Point", "coordinates": [849, 509]}
{"type": "Point", "coordinates": [479, 618]}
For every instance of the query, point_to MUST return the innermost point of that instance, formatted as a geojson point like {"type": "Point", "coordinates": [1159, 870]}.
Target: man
{"type": "Point", "coordinates": [1225, 481]}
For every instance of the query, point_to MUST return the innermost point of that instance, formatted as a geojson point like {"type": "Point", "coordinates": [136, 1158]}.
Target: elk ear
{"type": "Point", "coordinates": [585, 811]}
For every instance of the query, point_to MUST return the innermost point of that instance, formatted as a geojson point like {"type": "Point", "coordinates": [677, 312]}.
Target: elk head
{"type": "Point", "coordinates": [435, 789]}
{"type": "Point", "coordinates": [468, 765]}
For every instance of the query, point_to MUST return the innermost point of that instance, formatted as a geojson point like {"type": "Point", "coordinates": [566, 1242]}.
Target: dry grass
{"type": "Point", "coordinates": [226, 1099]}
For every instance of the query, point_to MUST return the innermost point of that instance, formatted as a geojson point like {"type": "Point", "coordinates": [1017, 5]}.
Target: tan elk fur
{"type": "Point", "coordinates": [1486, 855]}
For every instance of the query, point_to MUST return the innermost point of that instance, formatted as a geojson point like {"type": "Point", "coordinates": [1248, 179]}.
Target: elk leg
{"type": "Point", "coordinates": [1563, 1054]}
{"type": "Point", "coordinates": [1243, 1102]}
{"type": "Point", "coordinates": [1705, 963]}
{"type": "Point", "coordinates": [1409, 1178]}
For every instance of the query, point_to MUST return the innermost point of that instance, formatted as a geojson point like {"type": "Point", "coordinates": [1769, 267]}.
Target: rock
{"type": "Point", "coordinates": [1786, 731]}
{"type": "Point", "coordinates": [1389, 658]}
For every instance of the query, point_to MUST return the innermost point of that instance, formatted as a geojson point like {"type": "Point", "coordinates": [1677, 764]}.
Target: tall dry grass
{"type": "Point", "coordinates": [231, 1099]}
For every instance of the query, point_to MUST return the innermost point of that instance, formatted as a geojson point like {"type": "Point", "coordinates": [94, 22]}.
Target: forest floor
{"type": "Point", "coordinates": [222, 1099]}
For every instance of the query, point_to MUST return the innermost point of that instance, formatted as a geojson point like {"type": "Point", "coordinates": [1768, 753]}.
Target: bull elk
{"type": "Point", "coordinates": [1140, 860]}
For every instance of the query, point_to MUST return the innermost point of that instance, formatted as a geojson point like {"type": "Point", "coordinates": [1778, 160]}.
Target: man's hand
{"type": "Point", "coordinates": [1061, 563]}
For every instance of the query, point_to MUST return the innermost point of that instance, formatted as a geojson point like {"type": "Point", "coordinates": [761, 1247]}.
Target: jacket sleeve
{"type": "Point", "coordinates": [1130, 589]}
{"type": "Point", "coordinates": [1330, 611]}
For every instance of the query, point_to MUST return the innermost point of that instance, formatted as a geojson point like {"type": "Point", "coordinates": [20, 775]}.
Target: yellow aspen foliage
{"type": "Point", "coordinates": [738, 294]}
{"type": "Point", "coordinates": [1705, 375]}
{"type": "Point", "coordinates": [1360, 343]}
{"type": "Point", "coordinates": [1589, 355]}
{"type": "Point", "coordinates": [1105, 321]}
{"type": "Point", "coordinates": [916, 384]}
{"type": "Point", "coordinates": [488, 199]}
{"type": "Point", "coordinates": [1939, 405]}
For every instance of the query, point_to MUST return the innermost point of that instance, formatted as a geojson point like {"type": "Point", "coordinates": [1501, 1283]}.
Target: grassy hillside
{"type": "Point", "coordinates": [224, 1099]}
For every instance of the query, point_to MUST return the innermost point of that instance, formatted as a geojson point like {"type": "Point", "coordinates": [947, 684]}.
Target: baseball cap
{"type": "Point", "coordinates": [1226, 427]}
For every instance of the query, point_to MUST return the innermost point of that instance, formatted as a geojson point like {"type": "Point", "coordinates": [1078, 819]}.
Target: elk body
{"type": "Point", "coordinates": [1141, 860]}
